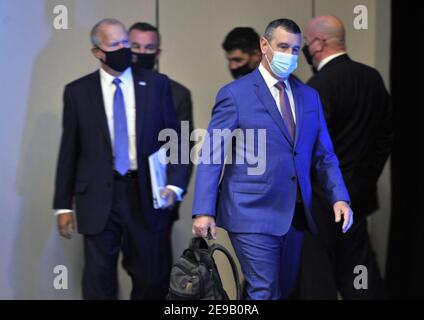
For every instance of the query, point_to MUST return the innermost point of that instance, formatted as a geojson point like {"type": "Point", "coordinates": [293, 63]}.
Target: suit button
{"type": "Point", "coordinates": [294, 178]}
{"type": "Point", "coordinates": [295, 154]}
{"type": "Point", "coordinates": [109, 184]}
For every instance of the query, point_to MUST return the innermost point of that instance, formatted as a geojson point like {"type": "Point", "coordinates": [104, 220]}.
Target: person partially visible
{"type": "Point", "coordinates": [145, 42]}
{"type": "Point", "coordinates": [242, 51]}
{"type": "Point", "coordinates": [145, 46]}
{"type": "Point", "coordinates": [358, 112]}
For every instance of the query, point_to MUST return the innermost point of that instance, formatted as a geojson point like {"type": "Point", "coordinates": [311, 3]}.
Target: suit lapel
{"type": "Point", "coordinates": [298, 103]}
{"type": "Point", "coordinates": [141, 90]}
{"type": "Point", "coordinates": [264, 95]}
{"type": "Point", "coordinates": [96, 96]}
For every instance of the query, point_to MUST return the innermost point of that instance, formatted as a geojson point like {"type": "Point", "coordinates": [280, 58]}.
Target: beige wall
{"type": "Point", "coordinates": [38, 61]}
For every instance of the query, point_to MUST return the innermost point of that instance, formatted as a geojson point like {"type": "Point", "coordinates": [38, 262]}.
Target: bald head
{"type": "Point", "coordinates": [324, 37]}
{"type": "Point", "coordinates": [330, 28]}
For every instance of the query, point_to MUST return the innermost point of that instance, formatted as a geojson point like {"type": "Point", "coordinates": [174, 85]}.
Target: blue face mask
{"type": "Point", "coordinates": [282, 64]}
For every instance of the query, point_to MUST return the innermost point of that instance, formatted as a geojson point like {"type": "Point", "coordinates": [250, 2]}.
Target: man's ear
{"type": "Point", "coordinates": [264, 45]}
{"type": "Point", "coordinates": [98, 54]}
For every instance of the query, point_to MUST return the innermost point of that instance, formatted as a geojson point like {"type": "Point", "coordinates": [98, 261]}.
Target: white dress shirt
{"type": "Point", "coordinates": [271, 82]}
{"type": "Point", "coordinates": [328, 59]}
{"type": "Point", "coordinates": [108, 92]}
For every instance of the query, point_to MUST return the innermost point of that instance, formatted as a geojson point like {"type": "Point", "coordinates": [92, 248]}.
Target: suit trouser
{"type": "Point", "coordinates": [270, 264]}
{"type": "Point", "coordinates": [329, 259]}
{"type": "Point", "coordinates": [146, 253]}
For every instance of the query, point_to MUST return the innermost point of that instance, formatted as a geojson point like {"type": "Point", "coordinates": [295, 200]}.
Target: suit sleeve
{"type": "Point", "coordinates": [177, 173]}
{"type": "Point", "coordinates": [66, 163]}
{"type": "Point", "coordinates": [211, 160]}
{"type": "Point", "coordinates": [325, 163]}
{"type": "Point", "coordinates": [185, 113]}
{"type": "Point", "coordinates": [372, 167]}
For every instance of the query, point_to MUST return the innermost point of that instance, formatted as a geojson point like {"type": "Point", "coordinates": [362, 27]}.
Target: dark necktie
{"type": "Point", "coordinates": [285, 108]}
{"type": "Point", "coordinates": [122, 159]}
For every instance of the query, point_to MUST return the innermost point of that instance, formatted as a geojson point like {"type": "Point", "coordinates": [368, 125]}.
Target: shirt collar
{"type": "Point", "coordinates": [125, 77]}
{"type": "Point", "coordinates": [270, 80]}
{"type": "Point", "coordinates": [329, 58]}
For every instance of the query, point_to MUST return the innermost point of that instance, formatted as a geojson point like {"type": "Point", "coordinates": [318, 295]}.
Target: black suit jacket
{"type": "Point", "coordinates": [85, 164]}
{"type": "Point", "coordinates": [359, 118]}
{"type": "Point", "coordinates": [184, 111]}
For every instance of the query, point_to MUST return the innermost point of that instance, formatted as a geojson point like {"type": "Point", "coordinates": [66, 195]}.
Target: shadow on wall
{"type": "Point", "coordinates": [38, 246]}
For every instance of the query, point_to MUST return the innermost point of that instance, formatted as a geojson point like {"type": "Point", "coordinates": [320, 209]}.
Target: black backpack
{"type": "Point", "coordinates": [194, 276]}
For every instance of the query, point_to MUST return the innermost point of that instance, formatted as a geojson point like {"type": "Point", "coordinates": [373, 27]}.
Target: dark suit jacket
{"type": "Point", "coordinates": [85, 164]}
{"type": "Point", "coordinates": [184, 111]}
{"type": "Point", "coordinates": [359, 119]}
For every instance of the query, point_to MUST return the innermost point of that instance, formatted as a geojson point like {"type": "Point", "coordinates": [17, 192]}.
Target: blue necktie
{"type": "Point", "coordinates": [122, 159]}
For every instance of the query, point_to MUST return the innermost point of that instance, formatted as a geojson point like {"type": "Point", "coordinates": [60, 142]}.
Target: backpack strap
{"type": "Point", "coordinates": [218, 247]}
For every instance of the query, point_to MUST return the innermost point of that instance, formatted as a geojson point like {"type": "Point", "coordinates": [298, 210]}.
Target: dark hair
{"type": "Point", "coordinates": [144, 26]}
{"type": "Point", "coordinates": [244, 38]}
{"type": "Point", "coordinates": [286, 24]}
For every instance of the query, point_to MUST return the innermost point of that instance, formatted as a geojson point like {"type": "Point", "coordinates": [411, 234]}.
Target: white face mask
{"type": "Point", "coordinates": [282, 64]}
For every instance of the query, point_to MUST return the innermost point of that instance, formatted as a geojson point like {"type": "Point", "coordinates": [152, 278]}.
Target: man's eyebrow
{"type": "Point", "coordinates": [287, 44]}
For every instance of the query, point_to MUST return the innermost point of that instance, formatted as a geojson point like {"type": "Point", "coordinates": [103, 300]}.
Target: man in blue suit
{"type": "Point", "coordinates": [111, 122]}
{"type": "Point", "coordinates": [266, 214]}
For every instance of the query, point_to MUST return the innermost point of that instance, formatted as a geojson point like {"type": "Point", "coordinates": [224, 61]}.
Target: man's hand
{"type": "Point", "coordinates": [341, 208]}
{"type": "Point", "coordinates": [65, 224]}
{"type": "Point", "coordinates": [170, 197]}
{"type": "Point", "coordinates": [203, 226]}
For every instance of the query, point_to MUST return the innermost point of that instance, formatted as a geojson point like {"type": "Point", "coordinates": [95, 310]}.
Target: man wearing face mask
{"type": "Point", "coordinates": [242, 51]}
{"type": "Point", "coordinates": [358, 113]}
{"type": "Point", "coordinates": [145, 46]}
{"type": "Point", "coordinates": [266, 213]}
{"type": "Point", "coordinates": [111, 122]}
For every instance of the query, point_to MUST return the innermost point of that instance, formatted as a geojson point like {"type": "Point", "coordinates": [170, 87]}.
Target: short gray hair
{"type": "Point", "coordinates": [94, 34]}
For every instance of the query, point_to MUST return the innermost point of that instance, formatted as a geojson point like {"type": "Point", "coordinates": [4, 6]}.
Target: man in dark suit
{"type": "Point", "coordinates": [145, 45]}
{"type": "Point", "coordinates": [358, 113]}
{"type": "Point", "coordinates": [266, 206]}
{"type": "Point", "coordinates": [111, 122]}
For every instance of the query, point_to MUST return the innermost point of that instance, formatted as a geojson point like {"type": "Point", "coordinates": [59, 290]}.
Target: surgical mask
{"type": "Point", "coordinates": [144, 60]}
{"type": "Point", "coordinates": [241, 71]}
{"type": "Point", "coordinates": [118, 60]}
{"type": "Point", "coordinates": [282, 64]}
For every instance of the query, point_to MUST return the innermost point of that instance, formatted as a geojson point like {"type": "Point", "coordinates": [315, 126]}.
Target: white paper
{"type": "Point", "coordinates": [157, 167]}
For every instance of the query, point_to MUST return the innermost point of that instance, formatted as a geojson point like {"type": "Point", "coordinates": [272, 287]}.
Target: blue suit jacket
{"type": "Point", "coordinates": [265, 203]}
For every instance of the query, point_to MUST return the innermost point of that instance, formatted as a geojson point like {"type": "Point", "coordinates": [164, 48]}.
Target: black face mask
{"type": "Point", "coordinates": [118, 60]}
{"type": "Point", "coordinates": [241, 71]}
{"type": "Point", "coordinates": [307, 54]}
{"type": "Point", "coordinates": [144, 60]}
